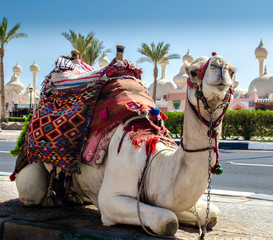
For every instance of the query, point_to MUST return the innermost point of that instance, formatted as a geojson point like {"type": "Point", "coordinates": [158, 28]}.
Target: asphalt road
{"type": "Point", "coordinates": [247, 171]}
{"type": "Point", "coordinates": [7, 163]}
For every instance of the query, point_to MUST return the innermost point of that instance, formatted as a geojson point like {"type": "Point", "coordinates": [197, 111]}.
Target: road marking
{"type": "Point", "coordinates": [5, 173]}
{"type": "Point", "coordinates": [250, 164]}
{"type": "Point", "coordinates": [4, 151]}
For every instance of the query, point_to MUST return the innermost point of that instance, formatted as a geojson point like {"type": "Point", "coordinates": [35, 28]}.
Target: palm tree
{"type": "Point", "coordinates": [155, 55]}
{"type": "Point", "coordinates": [5, 37]}
{"type": "Point", "coordinates": [95, 52]}
{"type": "Point", "coordinates": [79, 42]}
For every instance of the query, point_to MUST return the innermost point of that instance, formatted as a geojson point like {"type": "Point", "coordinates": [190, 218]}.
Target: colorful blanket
{"type": "Point", "coordinates": [122, 99]}
{"type": "Point", "coordinates": [79, 103]}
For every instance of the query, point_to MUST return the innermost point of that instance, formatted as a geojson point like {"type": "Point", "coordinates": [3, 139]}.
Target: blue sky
{"type": "Point", "coordinates": [231, 28]}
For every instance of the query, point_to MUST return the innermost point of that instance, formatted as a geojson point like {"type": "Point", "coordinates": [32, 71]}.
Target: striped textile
{"type": "Point", "coordinates": [73, 73]}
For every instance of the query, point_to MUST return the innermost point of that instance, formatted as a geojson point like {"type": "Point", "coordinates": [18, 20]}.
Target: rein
{"type": "Point", "coordinates": [212, 125]}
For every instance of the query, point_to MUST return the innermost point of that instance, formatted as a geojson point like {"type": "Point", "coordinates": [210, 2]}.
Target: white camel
{"type": "Point", "coordinates": [175, 179]}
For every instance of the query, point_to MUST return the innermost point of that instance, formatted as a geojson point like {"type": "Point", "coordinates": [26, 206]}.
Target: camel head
{"type": "Point", "coordinates": [211, 76]}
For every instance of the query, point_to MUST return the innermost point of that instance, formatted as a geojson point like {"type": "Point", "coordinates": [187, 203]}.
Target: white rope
{"type": "Point", "coordinates": [140, 191]}
{"type": "Point", "coordinates": [144, 115]}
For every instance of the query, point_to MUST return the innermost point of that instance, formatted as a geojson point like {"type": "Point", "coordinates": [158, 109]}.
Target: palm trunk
{"type": "Point", "coordinates": [3, 98]}
{"type": "Point", "coordinates": [155, 82]}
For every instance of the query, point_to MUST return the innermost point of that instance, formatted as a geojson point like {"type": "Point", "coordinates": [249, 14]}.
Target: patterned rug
{"type": "Point", "coordinates": [79, 103]}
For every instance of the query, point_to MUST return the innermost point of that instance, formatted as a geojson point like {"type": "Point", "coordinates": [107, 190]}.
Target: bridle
{"type": "Point", "coordinates": [212, 125]}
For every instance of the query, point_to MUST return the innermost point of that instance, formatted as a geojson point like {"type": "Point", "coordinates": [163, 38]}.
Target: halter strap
{"type": "Point", "coordinates": [212, 132]}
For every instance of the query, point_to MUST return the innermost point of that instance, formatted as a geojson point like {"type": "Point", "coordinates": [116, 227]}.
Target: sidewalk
{"type": "Point", "coordinates": [241, 218]}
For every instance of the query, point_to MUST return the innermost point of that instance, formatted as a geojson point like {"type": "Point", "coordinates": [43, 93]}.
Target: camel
{"type": "Point", "coordinates": [175, 178]}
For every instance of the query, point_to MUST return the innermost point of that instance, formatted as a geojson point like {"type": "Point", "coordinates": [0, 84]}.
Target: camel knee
{"type": "Point", "coordinates": [197, 215]}
{"type": "Point", "coordinates": [123, 209]}
{"type": "Point", "coordinates": [32, 183]}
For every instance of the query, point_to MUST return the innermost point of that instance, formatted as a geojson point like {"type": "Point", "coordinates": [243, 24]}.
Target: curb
{"type": "Point", "coordinates": [241, 145]}
{"type": "Point", "coordinates": [233, 146]}
{"type": "Point", "coordinates": [22, 229]}
{"type": "Point", "coordinates": [251, 195]}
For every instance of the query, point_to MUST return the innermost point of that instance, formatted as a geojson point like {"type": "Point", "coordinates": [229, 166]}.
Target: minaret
{"type": "Point", "coordinates": [14, 84]}
{"type": "Point", "coordinates": [104, 61]}
{"type": "Point", "coordinates": [34, 68]}
{"type": "Point", "coordinates": [265, 70]}
{"type": "Point", "coordinates": [163, 65]}
{"type": "Point", "coordinates": [261, 54]}
{"type": "Point", "coordinates": [181, 78]}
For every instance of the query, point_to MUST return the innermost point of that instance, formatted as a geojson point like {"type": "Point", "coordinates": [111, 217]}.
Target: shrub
{"type": "Point", "coordinates": [174, 123]}
{"type": "Point", "coordinates": [16, 119]}
{"type": "Point", "coordinates": [248, 124]}
{"type": "Point", "coordinates": [21, 139]}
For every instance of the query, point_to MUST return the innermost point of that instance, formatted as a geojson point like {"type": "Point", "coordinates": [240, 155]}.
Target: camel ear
{"type": "Point", "coordinates": [187, 68]}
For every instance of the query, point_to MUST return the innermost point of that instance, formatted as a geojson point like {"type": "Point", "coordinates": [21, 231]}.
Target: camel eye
{"type": "Point", "coordinates": [213, 66]}
{"type": "Point", "coordinates": [193, 73]}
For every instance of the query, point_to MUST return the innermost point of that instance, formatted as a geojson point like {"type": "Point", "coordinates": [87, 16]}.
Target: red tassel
{"type": "Point", "coordinates": [163, 116]}
{"type": "Point", "coordinates": [136, 143]}
{"type": "Point", "coordinates": [12, 176]}
{"type": "Point", "coordinates": [104, 114]}
{"type": "Point", "coordinates": [151, 145]}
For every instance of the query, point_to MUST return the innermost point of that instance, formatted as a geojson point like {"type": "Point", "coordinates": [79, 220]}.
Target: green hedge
{"type": "Point", "coordinates": [16, 119]}
{"type": "Point", "coordinates": [174, 123]}
{"type": "Point", "coordinates": [21, 139]}
{"type": "Point", "coordinates": [248, 124]}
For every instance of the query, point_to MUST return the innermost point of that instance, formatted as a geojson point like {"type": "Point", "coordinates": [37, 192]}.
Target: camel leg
{"type": "Point", "coordinates": [190, 217]}
{"type": "Point", "coordinates": [32, 183]}
{"type": "Point", "coordinates": [123, 209]}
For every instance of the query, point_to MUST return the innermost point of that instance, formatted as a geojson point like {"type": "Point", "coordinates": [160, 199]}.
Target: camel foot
{"type": "Point", "coordinates": [212, 222]}
{"type": "Point", "coordinates": [170, 228]}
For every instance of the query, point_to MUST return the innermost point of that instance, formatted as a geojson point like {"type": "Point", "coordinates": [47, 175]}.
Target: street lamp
{"type": "Point", "coordinates": [30, 89]}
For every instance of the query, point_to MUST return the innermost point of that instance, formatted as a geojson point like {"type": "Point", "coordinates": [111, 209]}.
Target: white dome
{"type": "Point", "coordinates": [263, 85]}
{"type": "Point", "coordinates": [104, 61]}
{"type": "Point", "coordinates": [162, 89]}
{"type": "Point", "coordinates": [261, 51]}
{"type": "Point", "coordinates": [14, 85]}
{"type": "Point", "coordinates": [181, 78]}
{"type": "Point", "coordinates": [34, 67]}
{"type": "Point", "coordinates": [17, 69]}
{"type": "Point", "coordinates": [188, 57]}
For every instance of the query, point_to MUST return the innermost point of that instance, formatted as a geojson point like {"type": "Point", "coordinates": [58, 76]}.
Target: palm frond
{"type": "Point", "coordinates": [174, 56]}
{"type": "Point", "coordinates": [144, 59]}
{"type": "Point", "coordinates": [95, 52]}
{"type": "Point", "coordinates": [18, 35]}
{"type": "Point", "coordinates": [5, 36]}
{"type": "Point", "coordinates": [79, 41]}
{"type": "Point", "coordinates": [12, 31]}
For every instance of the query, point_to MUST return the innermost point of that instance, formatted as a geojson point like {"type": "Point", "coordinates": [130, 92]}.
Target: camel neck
{"type": "Point", "coordinates": [195, 133]}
